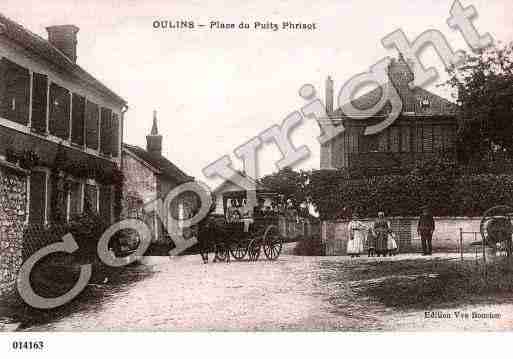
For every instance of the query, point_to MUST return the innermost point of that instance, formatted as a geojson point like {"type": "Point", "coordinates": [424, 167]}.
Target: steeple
{"type": "Point", "coordinates": [154, 128]}
{"type": "Point", "coordinates": [154, 140]}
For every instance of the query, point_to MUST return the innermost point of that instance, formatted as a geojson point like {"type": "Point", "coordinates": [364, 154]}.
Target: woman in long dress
{"type": "Point", "coordinates": [357, 232]}
{"type": "Point", "coordinates": [381, 230]}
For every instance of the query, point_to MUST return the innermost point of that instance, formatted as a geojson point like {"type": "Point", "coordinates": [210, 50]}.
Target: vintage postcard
{"type": "Point", "coordinates": [276, 166]}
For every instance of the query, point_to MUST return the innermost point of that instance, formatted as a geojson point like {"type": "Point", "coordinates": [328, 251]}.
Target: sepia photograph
{"type": "Point", "coordinates": [274, 166]}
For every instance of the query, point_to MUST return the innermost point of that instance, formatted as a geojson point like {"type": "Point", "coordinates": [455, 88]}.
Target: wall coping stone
{"type": "Point", "coordinates": [416, 218]}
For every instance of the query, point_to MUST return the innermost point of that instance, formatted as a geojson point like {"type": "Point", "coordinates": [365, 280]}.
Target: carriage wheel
{"type": "Point", "coordinates": [238, 250]}
{"type": "Point", "coordinates": [272, 243]}
{"type": "Point", "coordinates": [254, 249]}
{"type": "Point", "coordinates": [221, 252]}
{"type": "Point", "coordinates": [496, 227]}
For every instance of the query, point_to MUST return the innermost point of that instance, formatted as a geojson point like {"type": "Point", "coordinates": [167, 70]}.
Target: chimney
{"type": "Point", "coordinates": [154, 140]}
{"type": "Point", "coordinates": [329, 95]}
{"type": "Point", "coordinates": [64, 37]}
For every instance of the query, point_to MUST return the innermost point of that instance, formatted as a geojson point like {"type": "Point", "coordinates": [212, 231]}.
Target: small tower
{"type": "Point", "coordinates": [154, 140]}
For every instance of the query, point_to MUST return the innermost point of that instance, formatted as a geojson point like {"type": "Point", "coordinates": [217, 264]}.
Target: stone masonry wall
{"type": "Point", "coordinates": [139, 179]}
{"type": "Point", "coordinates": [141, 182]}
{"type": "Point", "coordinates": [13, 212]}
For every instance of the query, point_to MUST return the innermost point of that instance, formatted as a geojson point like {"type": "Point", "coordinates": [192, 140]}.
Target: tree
{"type": "Point", "coordinates": [484, 86]}
{"type": "Point", "coordinates": [289, 183]}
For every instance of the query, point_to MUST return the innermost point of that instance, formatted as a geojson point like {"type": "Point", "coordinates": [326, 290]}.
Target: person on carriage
{"type": "Point", "coordinates": [381, 229]}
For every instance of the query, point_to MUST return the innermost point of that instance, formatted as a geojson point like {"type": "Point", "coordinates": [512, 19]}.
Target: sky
{"type": "Point", "coordinates": [214, 90]}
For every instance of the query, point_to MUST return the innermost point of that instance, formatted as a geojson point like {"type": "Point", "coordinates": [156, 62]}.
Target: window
{"type": "Point", "coordinates": [59, 111]}
{"type": "Point", "coordinates": [39, 101]}
{"type": "Point", "coordinates": [395, 137]}
{"type": "Point", "coordinates": [90, 198]}
{"type": "Point", "coordinates": [106, 132]}
{"type": "Point", "coordinates": [14, 92]}
{"type": "Point", "coordinates": [438, 138]}
{"type": "Point", "coordinates": [418, 140]}
{"type": "Point", "coordinates": [105, 204]}
{"type": "Point", "coordinates": [77, 119]}
{"type": "Point", "coordinates": [405, 139]}
{"type": "Point", "coordinates": [448, 138]}
{"type": "Point", "coordinates": [370, 143]}
{"type": "Point", "coordinates": [92, 127]}
{"type": "Point", "coordinates": [383, 141]}
{"type": "Point", "coordinates": [37, 203]}
{"type": "Point", "coordinates": [75, 199]}
{"type": "Point", "coordinates": [115, 135]}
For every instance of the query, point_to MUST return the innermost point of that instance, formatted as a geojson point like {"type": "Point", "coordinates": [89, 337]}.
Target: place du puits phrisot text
{"type": "Point", "coordinates": [240, 25]}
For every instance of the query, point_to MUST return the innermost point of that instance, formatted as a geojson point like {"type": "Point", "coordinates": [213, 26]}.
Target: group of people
{"type": "Point", "coordinates": [381, 240]}
{"type": "Point", "coordinates": [379, 237]}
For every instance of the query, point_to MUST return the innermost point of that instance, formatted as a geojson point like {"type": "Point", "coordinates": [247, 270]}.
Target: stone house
{"type": "Point", "coordinates": [426, 127]}
{"type": "Point", "coordinates": [60, 137]}
{"type": "Point", "coordinates": [149, 176]}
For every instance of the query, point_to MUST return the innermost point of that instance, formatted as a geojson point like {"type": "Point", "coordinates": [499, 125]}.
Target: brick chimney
{"type": "Point", "coordinates": [329, 95]}
{"type": "Point", "coordinates": [64, 37]}
{"type": "Point", "coordinates": [154, 140]}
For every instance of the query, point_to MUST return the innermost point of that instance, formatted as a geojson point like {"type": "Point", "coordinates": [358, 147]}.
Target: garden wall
{"type": "Point", "coordinates": [334, 234]}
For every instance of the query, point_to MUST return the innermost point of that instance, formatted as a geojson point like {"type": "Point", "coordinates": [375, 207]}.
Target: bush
{"type": "Point", "coordinates": [86, 229]}
{"type": "Point", "coordinates": [440, 184]}
{"type": "Point", "coordinates": [309, 247]}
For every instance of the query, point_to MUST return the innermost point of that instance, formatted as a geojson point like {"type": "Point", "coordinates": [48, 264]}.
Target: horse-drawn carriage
{"type": "Point", "coordinates": [249, 232]}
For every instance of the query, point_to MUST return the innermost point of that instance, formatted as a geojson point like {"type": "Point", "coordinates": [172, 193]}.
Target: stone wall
{"type": "Point", "coordinates": [446, 237]}
{"type": "Point", "coordinates": [13, 212]}
{"type": "Point", "coordinates": [139, 179]}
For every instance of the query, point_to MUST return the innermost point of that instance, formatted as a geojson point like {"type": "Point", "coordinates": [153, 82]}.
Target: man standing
{"type": "Point", "coordinates": [425, 229]}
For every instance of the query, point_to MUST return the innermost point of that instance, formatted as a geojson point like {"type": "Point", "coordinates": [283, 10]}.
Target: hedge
{"type": "Point", "coordinates": [445, 188]}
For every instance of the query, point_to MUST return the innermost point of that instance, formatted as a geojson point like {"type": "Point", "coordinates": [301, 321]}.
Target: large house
{"type": "Point", "coordinates": [425, 128]}
{"type": "Point", "coordinates": [149, 176]}
{"type": "Point", "coordinates": [60, 136]}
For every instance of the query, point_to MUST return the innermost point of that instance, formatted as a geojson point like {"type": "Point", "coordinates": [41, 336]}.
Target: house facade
{"type": "Point", "coordinates": [149, 176]}
{"type": "Point", "coordinates": [60, 137]}
{"type": "Point", "coordinates": [426, 127]}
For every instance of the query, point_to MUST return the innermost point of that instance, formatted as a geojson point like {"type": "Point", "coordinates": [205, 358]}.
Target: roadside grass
{"type": "Point", "coordinates": [414, 284]}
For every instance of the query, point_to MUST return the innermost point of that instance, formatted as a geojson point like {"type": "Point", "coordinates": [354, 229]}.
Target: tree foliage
{"type": "Point", "coordinates": [484, 87]}
{"type": "Point", "coordinates": [289, 183]}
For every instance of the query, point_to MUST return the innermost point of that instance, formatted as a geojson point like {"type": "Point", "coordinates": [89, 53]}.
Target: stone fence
{"type": "Point", "coordinates": [334, 234]}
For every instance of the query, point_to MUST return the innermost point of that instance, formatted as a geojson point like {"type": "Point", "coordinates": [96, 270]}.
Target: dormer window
{"type": "Point", "coordinates": [425, 104]}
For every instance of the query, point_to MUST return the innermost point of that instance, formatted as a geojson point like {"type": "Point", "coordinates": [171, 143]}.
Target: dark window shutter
{"type": "Point", "coordinates": [427, 141]}
{"type": "Point", "coordinates": [106, 131]}
{"type": "Point", "coordinates": [92, 123]}
{"type": "Point", "coordinates": [16, 92]}
{"type": "Point", "coordinates": [115, 135]}
{"type": "Point", "coordinates": [77, 119]}
{"type": "Point", "coordinates": [59, 111]}
{"type": "Point", "coordinates": [39, 99]}
{"type": "Point", "coordinates": [37, 197]}
{"type": "Point", "coordinates": [105, 203]}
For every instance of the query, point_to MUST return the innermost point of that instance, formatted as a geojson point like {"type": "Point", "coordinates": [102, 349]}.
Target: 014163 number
{"type": "Point", "coordinates": [27, 345]}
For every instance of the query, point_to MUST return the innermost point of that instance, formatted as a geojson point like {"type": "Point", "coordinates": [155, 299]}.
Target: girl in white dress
{"type": "Point", "coordinates": [357, 233]}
